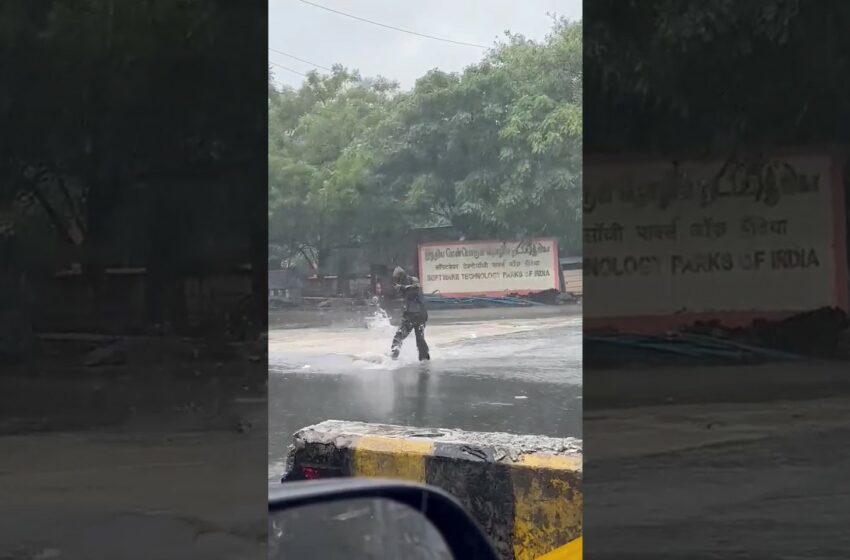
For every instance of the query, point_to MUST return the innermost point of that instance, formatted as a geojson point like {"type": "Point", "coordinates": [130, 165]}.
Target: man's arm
{"type": "Point", "coordinates": [412, 282]}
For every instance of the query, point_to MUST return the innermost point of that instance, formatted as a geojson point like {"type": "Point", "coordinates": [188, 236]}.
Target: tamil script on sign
{"type": "Point", "coordinates": [709, 237]}
{"type": "Point", "coordinates": [489, 267]}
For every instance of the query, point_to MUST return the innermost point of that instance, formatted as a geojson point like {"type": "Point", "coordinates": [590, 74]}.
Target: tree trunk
{"type": "Point", "coordinates": [16, 329]}
{"type": "Point", "coordinates": [156, 261]}
{"type": "Point", "coordinates": [154, 282]}
{"type": "Point", "coordinates": [99, 205]}
{"type": "Point", "coordinates": [259, 279]}
{"type": "Point", "coordinates": [321, 256]}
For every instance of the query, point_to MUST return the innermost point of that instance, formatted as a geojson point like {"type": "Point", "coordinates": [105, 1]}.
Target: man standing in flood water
{"type": "Point", "coordinates": [414, 314]}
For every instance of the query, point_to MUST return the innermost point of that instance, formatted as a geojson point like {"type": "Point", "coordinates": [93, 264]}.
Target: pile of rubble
{"type": "Point", "coordinates": [823, 333]}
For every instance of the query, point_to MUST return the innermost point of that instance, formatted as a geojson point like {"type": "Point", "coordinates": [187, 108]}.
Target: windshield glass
{"type": "Point", "coordinates": [425, 256]}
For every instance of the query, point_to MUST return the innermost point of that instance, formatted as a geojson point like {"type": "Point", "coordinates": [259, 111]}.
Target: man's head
{"type": "Point", "coordinates": [399, 275]}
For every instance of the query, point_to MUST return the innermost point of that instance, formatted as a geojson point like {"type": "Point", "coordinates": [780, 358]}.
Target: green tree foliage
{"type": "Point", "coordinates": [86, 99]}
{"type": "Point", "coordinates": [714, 74]}
{"type": "Point", "coordinates": [321, 193]}
{"type": "Point", "coordinates": [100, 158]}
{"type": "Point", "coordinates": [493, 152]}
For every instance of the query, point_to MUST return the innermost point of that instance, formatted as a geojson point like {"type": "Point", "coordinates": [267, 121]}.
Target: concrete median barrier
{"type": "Point", "coordinates": [572, 551]}
{"type": "Point", "coordinates": [525, 491]}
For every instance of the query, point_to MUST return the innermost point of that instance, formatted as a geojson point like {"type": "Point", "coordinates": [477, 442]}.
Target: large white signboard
{"type": "Point", "coordinates": [489, 267]}
{"type": "Point", "coordinates": [712, 237]}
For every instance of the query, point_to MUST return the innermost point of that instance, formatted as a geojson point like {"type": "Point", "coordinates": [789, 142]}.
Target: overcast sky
{"type": "Point", "coordinates": [326, 38]}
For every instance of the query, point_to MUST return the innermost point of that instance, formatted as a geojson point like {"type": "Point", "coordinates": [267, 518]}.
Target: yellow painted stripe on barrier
{"type": "Point", "coordinates": [385, 457]}
{"type": "Point", "coordinates": [571, 551]}
{"type": "Point", "coordinates": [554, 462]}
{"type": "Point", "coordinates": [546, 507]}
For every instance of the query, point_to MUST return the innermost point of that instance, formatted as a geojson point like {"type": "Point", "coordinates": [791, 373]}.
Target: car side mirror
{"type": "Point", "coordinates": [368, 519]}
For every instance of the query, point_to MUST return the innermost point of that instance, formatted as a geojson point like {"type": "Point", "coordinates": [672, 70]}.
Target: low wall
{"type": "Point", "coordinates": [525, 491]}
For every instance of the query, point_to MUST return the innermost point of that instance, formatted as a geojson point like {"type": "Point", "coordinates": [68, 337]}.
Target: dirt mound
{"type": "Point", "coordinates": [822, 333]}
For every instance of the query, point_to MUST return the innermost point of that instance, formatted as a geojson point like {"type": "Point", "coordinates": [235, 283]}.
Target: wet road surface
{"type": "Point", "coordinates": [136, 461]}
{"type": "Point", "coordinates": [101, 495]}
{"type": "Point", "coordinates": [730, 462]}
{"type": "Point", "coordinates": [519, 374]}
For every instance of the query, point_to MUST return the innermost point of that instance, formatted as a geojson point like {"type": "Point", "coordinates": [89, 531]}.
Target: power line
{"type": "Point", "coordinates": [396, 28]}
{"type": "Point", "coordinates": [287, 68]}
{"type": "Point", "coordinates": [301, 59]}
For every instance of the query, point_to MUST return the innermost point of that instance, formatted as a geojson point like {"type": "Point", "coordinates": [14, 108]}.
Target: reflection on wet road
{"type": "Point", "coordinates": [510, 375]}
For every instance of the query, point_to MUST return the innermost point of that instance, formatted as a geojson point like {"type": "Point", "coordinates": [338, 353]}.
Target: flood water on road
{"type": "Point", "coordinates": [490, 373]}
